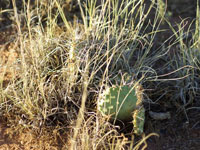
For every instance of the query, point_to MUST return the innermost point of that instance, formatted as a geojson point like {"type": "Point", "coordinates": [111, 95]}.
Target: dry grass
{"type": "Point", "coordinates": [63, 65]}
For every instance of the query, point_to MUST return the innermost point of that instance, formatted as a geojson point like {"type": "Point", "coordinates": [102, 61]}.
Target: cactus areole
{"type": "Point", "coordinates": [123, 103]}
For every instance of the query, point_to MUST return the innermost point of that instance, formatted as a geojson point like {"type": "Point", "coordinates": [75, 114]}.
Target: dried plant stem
{"type": "Point", "coordinates": [82, 108]}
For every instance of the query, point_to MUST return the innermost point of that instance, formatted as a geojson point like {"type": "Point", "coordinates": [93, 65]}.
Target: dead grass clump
{"type": "Point", "coordinates": [64, 68]}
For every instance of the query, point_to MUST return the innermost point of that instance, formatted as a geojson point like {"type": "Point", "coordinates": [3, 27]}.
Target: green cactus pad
{"type": "Point", "coordinates": [138, 120]}
{"type": "Point", "coordinates": [119, 102]}
{"type": "Point", "coordinates": [124, 103]}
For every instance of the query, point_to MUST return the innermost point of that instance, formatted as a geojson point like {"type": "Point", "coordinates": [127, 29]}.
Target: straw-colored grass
{"type": "Point", "coordinates": [64, 64]}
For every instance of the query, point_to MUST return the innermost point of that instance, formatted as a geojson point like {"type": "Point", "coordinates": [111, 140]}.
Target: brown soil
{"type": "Point", "coordinates": [177, 133]}
{"type": "Point", "coordinates": [24, 139]}
{"type": "Point", "coordinates": [8, 55]}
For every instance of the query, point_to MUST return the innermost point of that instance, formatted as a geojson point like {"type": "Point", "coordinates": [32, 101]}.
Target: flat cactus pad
{"type": "Point", "coordinates": [119, 102]}
{"type": "Point", "coordinates": [123, 103]}
{"type": "Point", "coordinates": [138, 120]}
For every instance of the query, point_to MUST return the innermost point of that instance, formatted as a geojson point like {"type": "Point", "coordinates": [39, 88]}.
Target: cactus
{"type": "Point", "coordinates": [123, 103]}
{"type": "Point", "coordinates": [138, 120]}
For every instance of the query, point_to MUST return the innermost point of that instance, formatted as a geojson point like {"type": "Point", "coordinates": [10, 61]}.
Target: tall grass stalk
{"type": "Point", "coordinates": [63, 69]}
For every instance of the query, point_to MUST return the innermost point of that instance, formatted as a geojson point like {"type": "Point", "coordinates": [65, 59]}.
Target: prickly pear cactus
{"type": "Point", "coordinates": [123, 103]}
{"type": "Point", "coordinates": [138, 120]}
